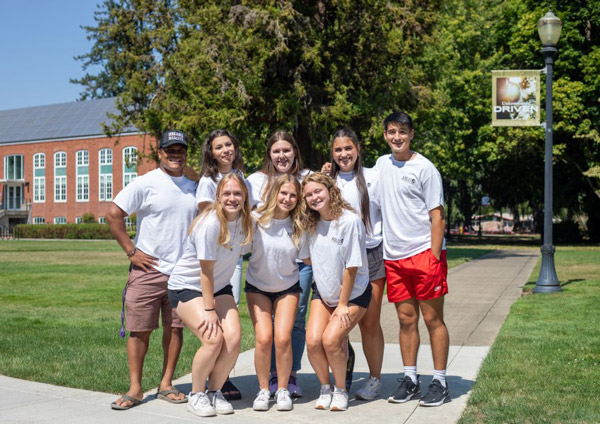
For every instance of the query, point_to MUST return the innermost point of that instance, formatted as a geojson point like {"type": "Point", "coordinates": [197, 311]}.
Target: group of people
{"type": "Point", "coordinates": [339, 233]}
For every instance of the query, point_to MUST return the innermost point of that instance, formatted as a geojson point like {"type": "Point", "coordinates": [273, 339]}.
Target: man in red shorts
{"type": "Point", "coordinates": [412, 206]}
{"type": "Point", "coordinates": [164, 201]}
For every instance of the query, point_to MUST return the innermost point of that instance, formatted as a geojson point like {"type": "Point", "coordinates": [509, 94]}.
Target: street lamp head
{"type": "Point", "coordinates": [549, 27]}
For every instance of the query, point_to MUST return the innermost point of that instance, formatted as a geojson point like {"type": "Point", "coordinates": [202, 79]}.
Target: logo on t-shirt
{"type": "Point", "coordinates": [339, 241]}
{"type": "Point", "coordinates": [408, 179]}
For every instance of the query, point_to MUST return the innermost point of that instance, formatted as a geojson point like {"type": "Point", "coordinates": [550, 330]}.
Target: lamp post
{"type": "Point", "coordinates": [549, 27]}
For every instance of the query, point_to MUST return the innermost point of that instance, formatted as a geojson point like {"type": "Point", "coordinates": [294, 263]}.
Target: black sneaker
{"type": "Point", "coordinates": [406, 391]}
{"type": "Point", "coordinates": [349, 367]}
{"type": "Point", "coordinates": [436, 395]}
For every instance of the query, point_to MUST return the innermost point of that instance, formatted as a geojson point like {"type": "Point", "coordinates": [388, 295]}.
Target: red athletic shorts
{"type": "Point", "coordinates": [421, 276]}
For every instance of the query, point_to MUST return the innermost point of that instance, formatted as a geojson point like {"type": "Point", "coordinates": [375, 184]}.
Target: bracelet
{"type": "Point", "coordinates": [132, 252]}
{"type": "Point", "coordinates": [209, 310]}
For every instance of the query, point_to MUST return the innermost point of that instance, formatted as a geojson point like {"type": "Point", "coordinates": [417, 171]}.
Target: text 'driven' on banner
{"type": "Point", "coordinates": [515, 98]}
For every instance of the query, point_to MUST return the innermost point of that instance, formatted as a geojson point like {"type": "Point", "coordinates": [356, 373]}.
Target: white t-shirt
{"type": "Point", "coordinates": [273, 265]}
{"type": "Point", "coordinates": [202, 244]}
{"type": "Point", "coordinates": [408, 191]}
{"type": "Point", "coordinates": [165, 207]}
{"type": "Point", "coordinates": [258, 183]}
{"type": "Point", "coordinates": [207, 187]}
{"type": "Point", "coordinates": [346, 181]}
{"type": "Point", "coordinates": [333, 247]}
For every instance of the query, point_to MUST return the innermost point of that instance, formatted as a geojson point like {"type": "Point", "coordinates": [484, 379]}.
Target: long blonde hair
{"type": "Point", "coordinates": [224, 236]}
{"type": "Point", "coordinates": [267, 210]}
{"type": "Point", "coordinates": [337, 204]}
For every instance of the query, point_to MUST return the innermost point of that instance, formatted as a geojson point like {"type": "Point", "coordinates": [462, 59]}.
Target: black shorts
{"type": "Point", "coordinates": [362, 301]}
{"type": "Point", "coordinates": [184, 295]}
{"type": "Point", "coordinates": [273, 296]}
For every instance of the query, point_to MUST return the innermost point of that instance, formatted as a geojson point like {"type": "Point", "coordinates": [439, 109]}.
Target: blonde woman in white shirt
{"type": "Point", "coordinates": [282, 157]}
{"type": "Point", "coordinates": [200, 290]}
{"type": "Point", "coordinates": [273, 288]}
{"type": "Point", "coordinates": [341, 293]}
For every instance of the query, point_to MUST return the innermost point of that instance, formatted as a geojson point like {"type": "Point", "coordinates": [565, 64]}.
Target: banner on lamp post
{"type": "Point", "coordinates": [515, 98]}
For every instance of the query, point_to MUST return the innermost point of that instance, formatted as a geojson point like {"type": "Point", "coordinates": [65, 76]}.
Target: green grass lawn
{"type": "Point", "coordinates": [61, 305]}
{"type": "Point", "coordinates": [544, 366]}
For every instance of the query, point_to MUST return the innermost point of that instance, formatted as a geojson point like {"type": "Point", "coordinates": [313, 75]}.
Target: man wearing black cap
{"type": "Point", "coordinates": [164, 201]}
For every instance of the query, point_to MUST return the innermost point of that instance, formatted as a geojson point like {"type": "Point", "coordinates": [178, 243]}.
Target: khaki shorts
{"type": "Point", "coordinates": [146, 299]}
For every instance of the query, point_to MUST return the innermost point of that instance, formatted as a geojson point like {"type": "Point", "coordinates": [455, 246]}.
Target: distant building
{"type": "Point", "coordinates": [56, 164]}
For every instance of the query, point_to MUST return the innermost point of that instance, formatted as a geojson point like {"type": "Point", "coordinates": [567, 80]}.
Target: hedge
{"type": "Point", "coordinates": [63, 231]}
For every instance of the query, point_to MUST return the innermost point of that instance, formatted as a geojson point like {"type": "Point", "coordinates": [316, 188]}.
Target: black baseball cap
{"type": "Point", "coordinates": [171, 137]}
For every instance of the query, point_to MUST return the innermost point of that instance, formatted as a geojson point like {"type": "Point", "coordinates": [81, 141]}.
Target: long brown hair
{"type": "Point", "coordinates": [268, 167]}
{"type": "Point", "coordinates": [267, 210]}
{"type": "Point", "coordinates": [210, 166]}
{"type": "Point", "coordinates": [224, 236]}
{"type": "Point", "coordinates": [337, 204]}
{"type": "Point", "coordinates": [361, 184]}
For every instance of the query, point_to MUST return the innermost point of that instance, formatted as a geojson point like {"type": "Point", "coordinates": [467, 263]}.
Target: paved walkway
{"type": "Point", "coordinates": [481, 292]}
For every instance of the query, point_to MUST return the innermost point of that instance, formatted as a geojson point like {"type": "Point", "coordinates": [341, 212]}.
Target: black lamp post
{"type": "Point", "coordinates": [549, 27]}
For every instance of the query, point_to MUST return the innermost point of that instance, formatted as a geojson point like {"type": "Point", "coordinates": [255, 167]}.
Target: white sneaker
{"type": "Point", "coordinates": [284, 401]}
{"type": "Point", "coordinates": [199, 404]}
{"type": "Point", "coordinates": [370, 390]}
{"type": "Point", "coordinates": [339, 400]}
{"type": "Point", "coordinates": [221, 405]}
{"type": "Point", "coordinates": [261, 403]}
{"type": "Point", "coordinates": [324, 400]}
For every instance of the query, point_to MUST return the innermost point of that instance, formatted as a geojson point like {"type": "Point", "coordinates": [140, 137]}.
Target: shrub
{"type": "Point", "coordinates": [88, 218]}
{"type": "Point", "coordinates": [65, 231]}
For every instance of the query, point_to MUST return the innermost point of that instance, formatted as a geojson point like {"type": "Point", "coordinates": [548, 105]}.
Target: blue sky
{"type": "Point", "coordinates": [39, 40]}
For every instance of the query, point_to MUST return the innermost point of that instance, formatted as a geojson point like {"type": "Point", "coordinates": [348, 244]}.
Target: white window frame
{"type": "Point", "coordinates": [60, 182]}
{"type": "Point", "coordinates": [105, 181]}
{"type": "Point", "coordinates": [78, 220]}
{"type": "Point", "coordinates": [60, 220]}
{"type": "Point", "coordinates": [39, 220]}
{"type": "Point", "coordinates": [13, 177]}
{"type": "Point", "coordinates": [39, 183]}
{"type": "Point", "coordinates": [83, 180]}
{"type": "Point", "coordinates": [128, 153]}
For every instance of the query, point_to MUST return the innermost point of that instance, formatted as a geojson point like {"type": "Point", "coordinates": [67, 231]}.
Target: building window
{"type": "Point", "coordinates": [129, 165]}
{"type": "Point", "coordinates": [60, 220]}
{"type": "Point", "coordinates": [39, 220]}
{"type": "Point", "coordinates": [101, 220]}
{"type": "Point", "coordinates": [60, 177]}
{"type": "Point", "coordinates": [13, 167]}
{"type": "Point", "coordinates": [83, 178]}
{"type": "Point", "coordinates": [130, 223]}
{"type": "Point", "coordinates": [39, 178]}
{"type": "Point", "coordinates": [78, 220]}
{"type": "Point", "coordinates": [106, 178]}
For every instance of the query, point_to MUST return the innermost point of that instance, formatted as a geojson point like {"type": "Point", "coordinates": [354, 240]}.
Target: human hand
{"type": "Point", "coordinates": [326, 168]}
{"type": "Point", "coordinates": [209, 323]}
{"type": "Point", "coordinates": [342, 312]}
{"type": "Point", "coordinates": [142, 260]}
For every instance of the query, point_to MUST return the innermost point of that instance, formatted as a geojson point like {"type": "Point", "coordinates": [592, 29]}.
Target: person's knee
{"type": "Point", "coordinates": [213, 343]}
{"type": "Point", "coordinates": [369, 325]}
{"type": "Point", "coordinates": [331, 343]}
{"type": "Point", "coordinates": [232, 341]}
{"type": "Point", "coordinates": [282, 341]}
{"type": "Point", "coordinates": [263, 340]}
{"type": "Point", "coordinates": [313, 342]}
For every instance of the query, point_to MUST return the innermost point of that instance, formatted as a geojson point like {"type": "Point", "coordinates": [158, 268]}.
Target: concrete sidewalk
{"type": "Point", "coordinates": [481, 292]}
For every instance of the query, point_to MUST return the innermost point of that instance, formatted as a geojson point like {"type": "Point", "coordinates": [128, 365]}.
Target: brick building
{"type": "Point", "coordinates": [56, 164]}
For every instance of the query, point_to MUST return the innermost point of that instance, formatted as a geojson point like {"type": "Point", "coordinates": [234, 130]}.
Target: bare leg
{"type": "Point", "coordinates": [334, 341]}
{"type": "Point", "coordinates": [433, 315]}
{"type": "Point", "coordinates": [317, 322]}
{"type": "Point", "coordinates": [260, 309]}
{"type": "Point", "coordinates": [285, 314]}
{"type": "Point", "coordinates": [191, 313]}
{"type": "Point", "coordinates": [172, 342]}
{"type": "Point", "coordinates": [371, 332]}
{"type": "Point", "coordinates": [408, 315]}
{"type": "Point", "coordinates": [137, 347]}
{"type": "Point", "coordinates": [232, 333]}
